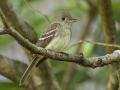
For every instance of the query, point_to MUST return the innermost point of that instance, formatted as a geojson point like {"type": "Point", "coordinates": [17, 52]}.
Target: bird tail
{"type": "Point", "coordinates": [28, 70]}
{"type": "Point", "coordinates": [36, 61]}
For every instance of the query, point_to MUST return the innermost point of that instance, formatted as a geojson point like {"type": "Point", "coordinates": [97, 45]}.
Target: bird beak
{"type": "Point", "coordinates": [73, 20]}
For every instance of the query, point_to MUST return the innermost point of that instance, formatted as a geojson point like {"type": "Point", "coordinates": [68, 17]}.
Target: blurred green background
{"type": "Point", "coordinates": [89, 27]}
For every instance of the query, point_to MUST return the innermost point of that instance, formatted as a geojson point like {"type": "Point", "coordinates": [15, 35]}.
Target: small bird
{"type": "Point", "coordinates": [55, 37]}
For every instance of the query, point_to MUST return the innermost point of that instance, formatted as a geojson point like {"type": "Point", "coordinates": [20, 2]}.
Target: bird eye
{"type": "Point", "coordinates": [63, 18]}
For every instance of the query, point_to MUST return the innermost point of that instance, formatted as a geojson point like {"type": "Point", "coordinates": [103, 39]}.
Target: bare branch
{"type": "Point", "coordinates": [79, 58]}
{"type": "Point", "coordinates": [3, 19]}
{"type": "Point", "coordinates": [13, 70]}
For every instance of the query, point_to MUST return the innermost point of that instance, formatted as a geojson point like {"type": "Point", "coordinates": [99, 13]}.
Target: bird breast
{"type": "Point", "coordinates": [60, 41]}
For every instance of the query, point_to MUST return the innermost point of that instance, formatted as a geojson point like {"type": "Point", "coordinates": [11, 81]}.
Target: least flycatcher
{"type": "Point", "coordinates": [55, 37]}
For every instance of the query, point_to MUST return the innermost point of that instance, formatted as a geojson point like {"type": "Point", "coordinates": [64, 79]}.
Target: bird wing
{"type": "Point", "coordinates": [48, 35]}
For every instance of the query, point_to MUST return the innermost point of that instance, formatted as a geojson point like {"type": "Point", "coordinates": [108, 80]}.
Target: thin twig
{"type": "Point", "coordinates": [92, 42]}
{"type": "Point", "coordinates": [3, 19]}
{"type": "Point", "coordinates": [37, 11]}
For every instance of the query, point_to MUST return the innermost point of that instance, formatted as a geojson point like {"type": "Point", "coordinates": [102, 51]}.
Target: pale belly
{"type": "Point", "coordinates": [60, 43]}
